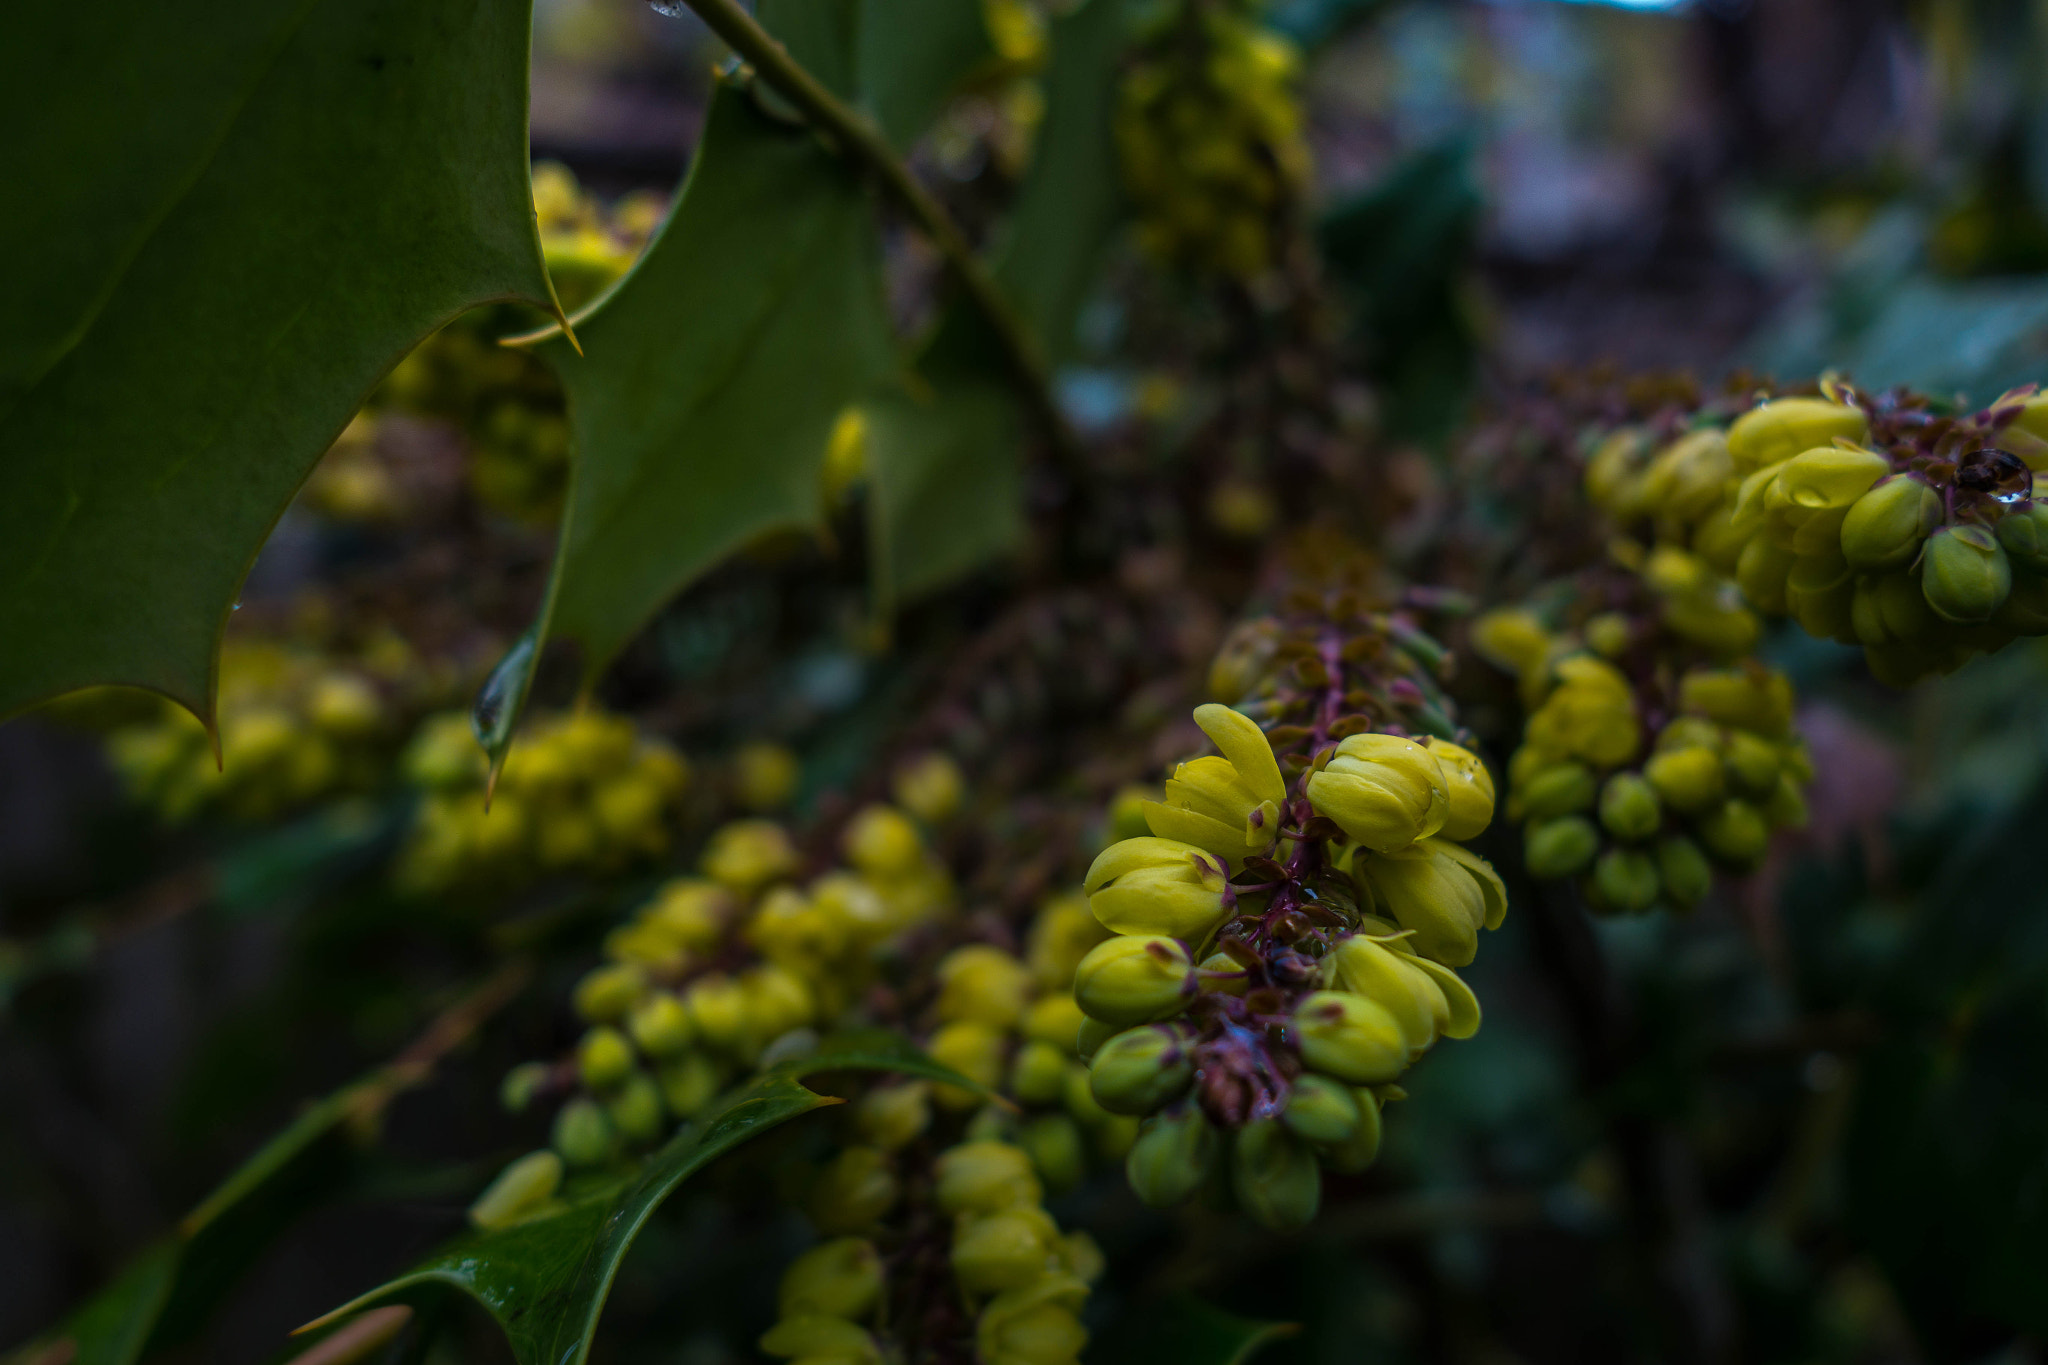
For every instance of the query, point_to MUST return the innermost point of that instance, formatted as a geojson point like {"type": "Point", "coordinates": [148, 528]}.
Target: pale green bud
{"type": "Point", "coordinates": [661, 1026]}
{"type": "Point", "coordinates": [1752, 763]}
{"type": "Point", "coordinates": [1565, 789]}
{"type": "Point", "coordinates": [521, 1084]}
{"type": "Point", "coordinates": [608, 994]}
{"type": "Point", "coordinates": [1629, 807]}
{"type": "Point", "coordinates": [604, 1058]}
{"type": "Point", "coordinates": [814, 1337]}
{"type": "Point", "coordinates": [1757, 701]}
{"type": "Point", "coordinates": [1441, 892]}
{"type": "Point", "coordinates": [1275, 1175]}
{"type": "Point", "coordinates": [2024, 534]}
{"type": "Point", "coordinates": [1005, 1250]}
{"type": "Point", "coordinates": [1090, 1037]}
{"type": "Point", "coordinates": [1470, 787]}
{"type": "Point", "coordinates": [1321, 1111]}
{"type": "Point", "coordinates": [1885, 527]}
{"type": "Point", "coordinates": [1034, 1325]}
{"type": "Point", "coordinates": [582, 1134]}
{"type": "Point", "coordinates": [1761, 572]}
{"type": "Point", "coordinates": [1737, 833]}
{"type": "Point", "coordinates": [1820, 593]}
{"type": "Point", "coordinates": [1140, 1069]}
{"type": "Point", "coordinates": [1173, 1156]}
{"type": "Point", "coordinates": [1363, 1147]}
{"type": "Point", "coordinates": [893, 1116]}
{"type": "Point", "coordinates": [718, 1008]}
{"type": "Point", "coordinates": [1038, 1073]}
{"type": "Point", "coordinates": [521, 1189]}
{"type": "Point", "coordinates": [1687, 779]}
{"type": "Point", "coordinates": [1559, 848]}
{"type": "Point", "coordinates": [689, 1083]}
{"type": "Point", "coordinates": [983, 1177]}
{"type": "Point", "coordinates": [1786, 808]}
{"type": "Point", "coordinates": [1384, 791]}
{"type": "Point", "coordinates": [636, 1110]}
{"type": "Point", "coordinates": [853, 1192]}
{"type": "Point", "coordinates": [1774, 432]}
{"type": "Point", "coordinates": [1157, 886]}
{"type": "Point", "coordinates": [1684, 871]}
{"type": "Point", "coordinates": [1056, 1150]}
{"type": "Point", "coordinates": [1625, 880]}
{"type": "Point", "coordinates": [1965, 575]}
{"type": "Point", "coordinates": [841, 1278]}
{"type": "Point", "coordinates": [1350, 1037]}
{"type": "Point", "coordinates": [1827, 479]}
{"type": "Point", "coordinates": [1134, 980]}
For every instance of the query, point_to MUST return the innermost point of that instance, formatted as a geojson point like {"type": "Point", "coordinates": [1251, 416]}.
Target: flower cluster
{"type": "Point", "coordinates": [1210, 133]}
{"type": "Point", "coordinates": [1656, 748]}
{"type": "Point", "coordinates": [579, 793]}
{"type": "Point", "coordinates": [1869, 519]}
{"type": "Point", "coordinates": [295, 726]}
{"type": "Point", "coordinates": [1284, 951]}
{"type": "Point", "coordinates": [506, 402]}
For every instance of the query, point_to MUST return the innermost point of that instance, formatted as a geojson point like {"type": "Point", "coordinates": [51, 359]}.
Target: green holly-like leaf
{"type": "Point", "coordinates": [947, 476]}
{"type": "Point", "coordinates": [223, 230]}
{"type": "Point", "coordinates": [711, 375]}
{"type": "Point", "coordinates": [545, 1281]}
{"type": "Point", "coordinates": [898, 59]}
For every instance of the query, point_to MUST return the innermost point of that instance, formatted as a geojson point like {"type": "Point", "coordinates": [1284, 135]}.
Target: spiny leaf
{"type": "Point", "coordinates": [899, 59]}
{"type": "Point", "coordinates": [545, 1281]}
{"type": "Point", "coordinates": [711, 376]}
{"type": "Point", "coordinates": [224, 232]}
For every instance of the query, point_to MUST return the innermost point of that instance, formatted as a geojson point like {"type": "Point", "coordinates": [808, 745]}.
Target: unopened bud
{"type": "Point", "coordinates": [841, 1278]}
{"type": "Point", "coordinates": [930, 787]}
{"type": "Point", "coordinates": [1565, 789]}
{"type": "Point", "coordinates": [816, 1337]}
{"type": "Point", "coordinates": [1090, 1036]}
{"type": "Point", "coordinates": [1774, 432]}
{"type": "Point", "coordinates": [1157, 886]}
{"type": "Point", "coordinates": [1684, 871]}
{"type": "Point", "coordinates": [1363, 1147]}
{"type": "Point", "coordinates": [1053, 1141]}
{"type": "Point", "coordinates": [853, 1191]}
{"type": "Point", "coordinates": [1625, 880]}
{"type": "Point", "coordinates": [604, 1058]}
{"type": "Point", "coordinates": [1321, 1110]}
{"type": "Point", "coordinates": [1687, 779]}
{"type": "Point", "coordinates": [892, 1116]}
{"type": "Point", "coordinates": [1038, 1073]}
{"type": "Point", "coordinates": [983, 983]}
{"type": "Point", "coordinates": [582, 1134]}
{"type": "Point", "coordinates": [1134, 980]}
{"type": "Point", "coordinates": [521, 1188]}
{"type": "Point", "coordinates": [1384, 791]}
{"type": "Point", "coordinates": [1350, 1037]}
{"type": "Point", "coordinates": [1629, 807]}
{"type": "Point", "coordinates": [983, 1177]}
{"type": "Point", "coordinates": [1005, 1250]}
{"type": "Point", "coordinates": [661, 1026]}
{"type": "Point", "coordinates": [2024, 534]}
{"type": "Point", "coordinates": [521, 1084]}
{"type": "Point", "coordinates": [1559, 848]}
{"type": "Point", "coordinates": [1965, 575]}
{"type": "Point", "coordinates": [1470, 787]}
{"type": "Point", "coordinates": [1737, 833]}
{"type": "Point", "coordinates": [1886, 526]}
{"type": "Point", "coordinates": [975, 1051]}
{"type": "Point", "coordinates": [1054, 1018]}
{"type": "Point", "coordinates": [636, 1110]}
{"type": "Point", "coordinates": [1140, 1069]}
{"type": "Point", "coordinates": [1756, 701]}
{"type": "Point", "coordinates": [1752, 763]}
{"type": "Point", "coordinates": [1275, 1175]}
{"type": "Point", "coordinates": [689, 1083]}
{"type": "Point", "coordinates": [609, 994]}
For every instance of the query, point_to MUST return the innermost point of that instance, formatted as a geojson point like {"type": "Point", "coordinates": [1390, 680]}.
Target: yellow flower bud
{"type": "Point", "coordinates": [1786, 807]}
{"type": "Point", "coordinates": [1275, 1175]}
{"type": "Point", "coordinates": [1054, 1019]}
{"type": "Point", "coordinates": [1134, 980]}
{"type": "Point", "coordinates": [841, 1278]}
{"type": "Point", "coordinates": [1684, 481]}
{"type": "Point", "coordinates": [1057, 1150]}
{"type": "Point", "coordinates": [1820, 594]}
{"type": "Point", "coordinates": [694, 913]}
{"type": "Point", "coordinates": [1826, 479]}
{"type": "Point", "coordinates": [1757, 701]}
{"type": "Point", "coordinates": [1609, 634]}
{"type": "Point", "coordinates": [930, 787]}
{"type": "Point", "coordinates": [1440, 892]}
{"type": "Point", "coordinates": [1173, 1155]}
{"type": "Point", "coordinates": [1140, 1069]}
{"type": "Point", "coordinates": [893, 1116]}
{"type": "Point", "coordinates": [777, 1001]}
{"type": "Point", "coordinates": [815, 1337]}
{"type": "Point", "coordinates": [522, 1189]}
{"type": "Point", "coordinates": [689, 1083]}
{"type": "Point", "coordinates": [661, 1026]}
{"type": "Point", "coordinates": [1157, 886]}
{"type": "Point", "coordinates": [1512, 638]}
{"type": "Point", "coordinates": [635, 1109]}
{"type": "Point", "coordinates": [1563, 789]}
{"type": "Point", "coordinates": [1369, 968]}
{"type": "Point", "coordinates": [853, 1192]}
{"type": "Point", "coordinates": [1350, 1037]}
{"type": "Point", "coordinates": [609, 994]}
{"type": "Point", "coordinates": [583, 1135]}
{"type": "Point", "coordinates": [1558, 848]}
{"type": "Point", "coordinates": [1761, 572]}
{"type": "Point", "coordinates": [748, 854]}
{"type": "Point", "coordinates": [604, 1058]}
{"type": "Point", "coordinates": [1625, 880]}
{"type": "Point", "coordinates": [973, 1049]}
{"type": "Point", "coordinates": [985, 1177]}
{"type": "Point", "coordinates": [1752, 762]}
{"type": "Point", "coordinates": [1629, 808]}
{"type": "Point", "coordinates": [1005, 1250]}
{"type": "Point", "coordinates": [881, 841]}
{"type": "Point", "coordinates": [1686, 875]}
{"type": "Point", "coordinates": [1470, 788]}
{"type": "Point", "coordinates": [1039, 1073]}
{"type": "Point", "coordinates": [983, 983]}
{"type": "Point", "coordinates": [718, 1008]}
{"type": "Point", "coordinates": [1030, 1326]}
{"type": "Point", "coordinates": [1688, 780]}
{"type": "Point", "coordinates": [1383, 791]}
{"type": "Point", "coordinates": [1736, 832]}
{"type": "Point", "coordinates": [1321, 1110]}
{"type": "Point", "coordinates": [1774, 432]}
{"type": "Point", "coordinates": [1886, 526]}
{"type": "Point", "coordinates": [1591, 715]}
{"type": "Point", "coordinates": [1614, 472]}
{"type": "Point", "coordinates": [765, 776]}
{"type": "Point", "coordinates": [1966, 575]}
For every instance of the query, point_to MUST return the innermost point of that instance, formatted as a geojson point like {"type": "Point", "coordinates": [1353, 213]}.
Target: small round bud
{"type": "Point", "coordinates": [604, 1058]}
{"type": "Point", "coordinates": [1559, 848]}
{"type": "Point", "coordinates": [1752, 763]}
{"type": "Point", "coordinates": [661, 1026]}
{"type": "Point", "coordinates": [1440, 892]}
{"type": "Point", "coordinates": [892, 1116]}
{"type": "Point", "coordinates": [1173, 1156]}
{"type": "Point", "coordinates": [1762, 571]}
{"type": "Point", "coordinates": [1886, 526]}
{"type": "Point", "coordinates": [1965, 574]}
{"type": "Point", "coordinates": [1140, 1069]}
{"type": "Point", "coordinates": [1363, 1147]}
{"type": "Point", "coordinates": [1080, 1099]}
{"type": "Point", "coordinates": [1054, 1019]}
{"type": "Point", "coordinates": [1786, 808]}
{"type": "Point", "coordinates": [1687, 779]}
{"type": "Point", "coordinates": [1322, 1111]}
{"type": "Point", "coordinates": [1756, 701]}
{"type": "Point", "coordinates": [1005, 1250]}
{"type": "Point", "coordinates": [1384, 791]}
{"type": "Point", "coordinates": [1350, 1037]}
{"type": "Point", "coordinates": [1134, 980]}
{"type": "Point", "coordinates": [748, 854]}
{"type": "Point", "coordinates": [975, 1051]}
{"type": "Point", "coordinates": [765, 776]}
{"type": "Point", "coordinates": [1057, 1152]}
{"type": "Point", "coordinates": [984, 1177]}
{"type": "Point", "coordinates": [1609, 634]}
{"type": "Point", "coordinates": [1470, 787]}
{"type": "Point", "coordinates": [841, 1278]}
{"type": "Point", "coordinates": [2024, 534]}
{"type": "Point", "coordinates": [607, 995]}
{"type": "Point", "coordinates": [1034, 1330]}
{"type": "Point", "coordinates": [882, 842]}
{"type": "Point", "coordinates": [718, 1009]}
{"type": "Point", "coordinates": [582, 1134]}
{"type": "Point", "coordinates": [689, 1083]}
{"type": "Point", "coordinates": [1157, 886]}
{"type": "Point", "coordinates": [816, 1337]}
{"type": "Point", "coordinates": [1684, 871]}
{"type": "Point", "coordinates": [521, 1189]}
{"type": "Point", "coordinates": [1090, 1036]}
{"type": "Point", "coordinates": [853, 1191]}
{"type": "Point", "coordinates": [1565, 789]}
{"type": "Point", "coordinates": [983, 983]}
{"type": "Point", "coordinates": [1736, 833]}
{"type": "Point", "coordinates": [1061, 934]}
{"type": "Point", "coordinates": [1629, 807]}
{"type": "Point", "coordinates": [1275, 1176]}
{"type": "Point", "coordinates": [1773, 432]}
{"type": "Point", "coordinates": [636, 1110]}
{"type": "Point", "coordinates": [521, 1084]}
{"type": "Point", "coordinates": [930, 787]}
{"type": "Point", "coordinates": [1039, 1073]}
{"type": "Point", "coordinates": [1625, 880]}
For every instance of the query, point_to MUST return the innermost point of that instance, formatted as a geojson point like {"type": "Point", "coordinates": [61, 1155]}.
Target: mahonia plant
{"type": "Point", "coordinates": [1284, 948]}
{"type": "Point", "coordinates": [1882, 520]}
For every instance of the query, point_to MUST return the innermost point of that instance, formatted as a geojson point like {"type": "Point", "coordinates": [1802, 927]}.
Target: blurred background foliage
{"type": "Point", "coordinates": [1807, 1124]}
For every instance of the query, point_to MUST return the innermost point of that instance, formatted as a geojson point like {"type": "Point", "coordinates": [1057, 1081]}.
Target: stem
{"type": "Point", "coordinates": [860, 139]}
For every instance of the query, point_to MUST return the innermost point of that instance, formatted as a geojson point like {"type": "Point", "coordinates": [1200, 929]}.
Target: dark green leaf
{"type": "Point", "coordinates": [1072, 198]}
{"type": "Point", "coordinates": [711, 376]}
{"type": "Point", "coordinates": [900, 59]}
{"type": "Point", "coordinates": [947, 483]}
{"type": "Point", "coordinates": [225, 230]}
{"type": "Point", "coordinates": [545, 1281]}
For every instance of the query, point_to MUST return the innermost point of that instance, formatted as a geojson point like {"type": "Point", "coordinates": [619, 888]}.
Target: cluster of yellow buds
{"type": "Point", "coordinates": [1210, 133]}
{"type": "Point", "coordinates": [579, 793]}
{"type": "Point", "coordinates": [506, 401]}
{"type": "Point", "coordinates": [294, 727]}
{"type": "Point", "coordinates": [1284, 951]}
{"type": "Point", "coordinates": [1003, 1260]}
{"type": "Point", "coordinates": [1871, 520]}
{"type": "Point", "coordinates": [1654, 749]}
{"type": "Point", "coordinates": [717, 970]}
